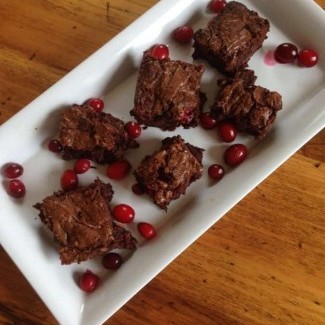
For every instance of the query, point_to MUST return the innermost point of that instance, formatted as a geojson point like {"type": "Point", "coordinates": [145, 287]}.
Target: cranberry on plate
{"type": "Point", "coordinates": [207, 121]}
{"type": "Point", "coordinates": [118, 170]}
{"type": "Point", "coordinates": [217, 5]}
{"type": "Point", "coordinates": [227, 131]}
{"type": "Point", "coordinates": [12, 170]}
{"type": "Point", "coordinates": [183, 34]}
{"type": "Point", "coordinates": [123, 213]}
{"type": "Point", "coordinates": [69, 180]}
{"type": "Point", "coordinates": [112, 261]}
{"type": "Point", "coordinates": [133, 129]}
{"type": "Point", "coordinates": [160, 51]}
{"type": "Point", "coordinates": [81, 166]}
{"type": "Point", "coordinates": [235, 154]}
{"type": "Point", "coordinates": [147, 230]}
{"type": "Point", "coordinates": [88, 281]}
{"type": "Point", "coordinates": [55, 145]}
{"type": "Point", "coordinates": [286, 53]}
{"type": "Point", "coordinates": [307, 58]}
{"type": "Point", "coordinates": [16, 188]}
{"type": "Point", "coordinates": [216, 172]}
{"type": "Point", "coordinates": [96, 103]}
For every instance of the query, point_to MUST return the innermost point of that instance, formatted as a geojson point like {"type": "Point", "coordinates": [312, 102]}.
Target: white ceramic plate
{"type": "Point", "coordinates": [111, 73]}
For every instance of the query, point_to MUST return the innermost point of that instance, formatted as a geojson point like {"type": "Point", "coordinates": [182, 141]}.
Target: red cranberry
{"type": "Point", "coordinates": [186, 116]}
{"type": "Point", "coordinates": [217, 5]}
{"type": "Point", "coordinates": [286, 53]}
{"type": "Point", "coordinates": [307, 58]}
{"type": "Point", "coordinates": [96, 103]}
{"type": "Point", "coordinates": [146, 230]}
{"type": "Point", "coordinates": [81, 165]}
{"type": "Point", "coordinates": [88, 281]}
{"type": "Point", "coordinates": [183, 34]}
{"type": "Point", "coordinates": [112, 261]}
{"type": "Point", "coordinates": [12, 170]}
{"type": "Point", "coordinates": [207, 121]}
{"type": "Point", "coordinates": [118, 170]}
{"type": "Point", "coordinates": [137, 189]}
{"type": "Point", "coordinates": [123, 213]}
{"type": "Point", "coordinates": [216, 172]}
{"type": "Point", "coordinates": [16, 188]}
{"type": "Point", "coordinates": [69, 180]}
{"type": "Point", "coordinates": [133, 129]}
{"type": "Point", "coordinates": [55, 145]}
{"type": "Point", "coordinates": [235, 154]}
{"type": "Point", "coordinates": [160, 51]}
{"type": "Point", "coordinates": [227, 132]}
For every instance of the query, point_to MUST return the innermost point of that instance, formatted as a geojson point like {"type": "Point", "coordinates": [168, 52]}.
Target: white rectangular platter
{"type": "Point", "coordinates": [111, 73]}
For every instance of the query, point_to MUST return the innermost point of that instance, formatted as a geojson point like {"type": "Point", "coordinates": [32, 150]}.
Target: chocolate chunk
{"type": "Point", "coordinates": [231, 38]}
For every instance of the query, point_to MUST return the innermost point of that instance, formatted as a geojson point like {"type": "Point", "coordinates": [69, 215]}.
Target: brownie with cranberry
{"type": "Point", "coordinates": [168, 93]}
{"type": "Point", "coordinates": [98, 136]}
{"type": "Point", "coordinates": [166, 174]}
{"type": "Point", "coordinates": [82, 224]}
{"type": "Point", "coordinates": [231, 38]}
{"type": "Point", "coordinates": [251, 108]}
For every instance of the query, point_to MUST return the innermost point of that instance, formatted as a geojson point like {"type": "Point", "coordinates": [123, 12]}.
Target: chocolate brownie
{"type": "Point", "coordinates": [251, 108]}
{"type": "Point", "coordinates": [82, 224]}
{"type": "Point", "coordinates": [231, 38]}
{"type": "Point", "coordinates": [168, 93]}
{"type": "Point", "coordinates": [167, 173]}
{"type": "Point", "coordinates": [98, 136]}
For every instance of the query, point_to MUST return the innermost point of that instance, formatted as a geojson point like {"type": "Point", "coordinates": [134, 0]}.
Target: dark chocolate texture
{"type": "Point", "coordinates": [231, 38]}
{"type": "Point", "coordinates": [81, 222]}
{"type": "Point", "coordinates": [100, 137]}
{"type": "Point", "coordinates": [168, 93]}
{"type": "Point", "coordinates": [166, 174]}
{"type": "Point", "coordinates": [251, 108]}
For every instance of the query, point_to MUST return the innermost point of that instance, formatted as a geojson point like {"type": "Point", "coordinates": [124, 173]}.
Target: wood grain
{"type": "Point", "coordinates": [262, 263]}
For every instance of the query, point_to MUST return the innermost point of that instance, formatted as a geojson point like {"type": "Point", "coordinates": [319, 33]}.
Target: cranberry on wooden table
{"type": "Point", "coordinates": [133, 129]}
{"type": "Point", "coordinates": [286, 53]}
{"type": "Point", "coordinates": [12, 170]}
{"type": "Point", "coordinates": [307, 58]}
{"type": "Point", "coordinates": [160, 51]}
{"type": "Point", "coordinates": [81, 166]}
{"type": "Point", "coordinates": [217, 5]}
{"type": "Point", "coordinates": [112, 261]}
{"type": "Point", "coordinates": [216, 172]}
{"type": "Point", "coordinates": [235, 154]}
{"type": "Point", "coordinates": [118, 170]}
{"type": "Point", "coordinates": [69, 180]}
{"type": "Point", "coordinates": [16, 188]}
{"type": "Point", "coordinates": [183, 34]}
{"type": "Point", "coordinates": [123, 213]}
{"type": "Point", "coordinates": [207, 121]}
{"type": "Point", "coordinates": [55, 145]}
{"type": "Point", "coordinates": [96, 103]}
{"type": "Point", "coordinates": [88, 281]}
{"type": "Point", "coordinates": [227, 132]}
{"type": "Point", "coordinates": [146, 230]}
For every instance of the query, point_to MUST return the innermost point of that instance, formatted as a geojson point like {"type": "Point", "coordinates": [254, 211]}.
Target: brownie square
{"type": "Point", "coordinates": [251, 108]}
{"type": "Point", "coordinates": [98, 136]}
{"type": "Point", "coordinates": [167, 173]}
{"type": "Point", "coordinates": [168, 93]}
{"type": "Point", "coordinates": [231, 38]}
{"type": "Point", "coordinates": [81, 222]}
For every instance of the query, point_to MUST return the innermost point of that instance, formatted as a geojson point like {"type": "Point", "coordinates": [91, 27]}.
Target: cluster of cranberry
{"type": "Point", "coordinates": [288, 53]}
{"type": "Point", "coordinates": [14, 186]}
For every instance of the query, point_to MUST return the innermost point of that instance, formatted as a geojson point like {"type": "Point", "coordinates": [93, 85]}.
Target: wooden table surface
{"type": "Point", "coordinates": [262, 263]}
